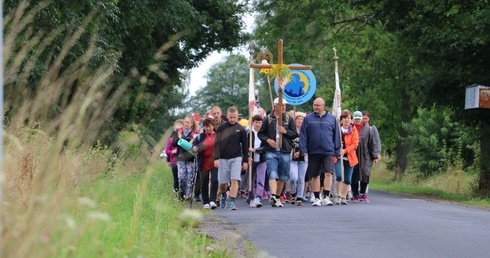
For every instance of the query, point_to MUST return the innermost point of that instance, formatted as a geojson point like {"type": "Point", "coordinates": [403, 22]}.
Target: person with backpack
{"type": "Point", "coordinates": [278, 157]}
{"type": "Point", "coordinates": [367, 153]}
{"type": "Point", "coordinates": [171, 153]}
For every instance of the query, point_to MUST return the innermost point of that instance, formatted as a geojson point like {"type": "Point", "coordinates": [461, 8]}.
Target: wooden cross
{"type": "Point", "coordinates": [280, 79]}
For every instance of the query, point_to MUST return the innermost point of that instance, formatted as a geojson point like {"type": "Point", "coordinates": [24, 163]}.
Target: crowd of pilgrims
{"type": "Point", "coordinates": [309, 158]}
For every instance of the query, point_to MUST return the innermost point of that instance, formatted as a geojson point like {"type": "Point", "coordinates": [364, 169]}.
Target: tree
{"type": "Point", "coordinates": [226, 85]}
{"type": "Point", "coordinates": [451, 42]}
{"type": "Point", "coordinates": [375, 69]}
{"type": "Point", "coordinates": [148, 41]}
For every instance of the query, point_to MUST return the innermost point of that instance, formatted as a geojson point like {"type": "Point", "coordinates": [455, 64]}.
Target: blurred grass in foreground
{"type": "Point", "coordinates": [64, 193]}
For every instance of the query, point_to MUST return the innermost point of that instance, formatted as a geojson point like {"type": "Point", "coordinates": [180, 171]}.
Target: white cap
{"type": "Point", "coordinates": [276, 101]}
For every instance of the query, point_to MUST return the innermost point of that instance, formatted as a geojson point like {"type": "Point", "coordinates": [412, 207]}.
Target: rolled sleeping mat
{"type": "Point", "coordinates": [185, 145]}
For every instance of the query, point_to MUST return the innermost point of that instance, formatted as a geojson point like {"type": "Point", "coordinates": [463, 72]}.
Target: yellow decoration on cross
{"type": "Point", "coordinates": [265, 70]}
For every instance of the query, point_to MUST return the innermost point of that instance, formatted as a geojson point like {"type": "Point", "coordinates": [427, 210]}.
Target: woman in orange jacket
{"type": "Point", "coordinates": [350, 141]}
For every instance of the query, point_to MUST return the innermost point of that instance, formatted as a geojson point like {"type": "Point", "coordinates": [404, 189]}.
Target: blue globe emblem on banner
{"type": "Point", "coordinates": [300, 87]}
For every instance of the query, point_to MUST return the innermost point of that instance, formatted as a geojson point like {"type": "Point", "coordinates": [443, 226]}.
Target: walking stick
{"type": "Point", "coordinates": [194, 181]}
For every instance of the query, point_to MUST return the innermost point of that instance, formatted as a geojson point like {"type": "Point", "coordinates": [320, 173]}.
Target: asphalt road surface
{"type": "Point", "coordinates": [389, 226]}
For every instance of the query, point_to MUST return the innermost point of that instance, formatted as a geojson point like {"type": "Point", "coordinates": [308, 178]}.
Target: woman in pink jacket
{"type": "Point", "coordinates": [172, 153]}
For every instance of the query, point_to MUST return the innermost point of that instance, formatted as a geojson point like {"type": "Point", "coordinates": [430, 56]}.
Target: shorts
{"type": "Point", "coordinates": [229, 169]}
{"type": "Point", "coordinates": [319, 163]}
{"type": "Point", "coordinates": [278, 165]}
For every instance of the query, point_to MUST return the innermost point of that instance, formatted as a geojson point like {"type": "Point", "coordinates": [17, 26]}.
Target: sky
{"type": "Point", "coordinates": [198, 74]}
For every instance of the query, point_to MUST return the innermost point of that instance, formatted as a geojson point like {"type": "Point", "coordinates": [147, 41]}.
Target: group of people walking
{"type": "Point", "coordinates": [291, 154]}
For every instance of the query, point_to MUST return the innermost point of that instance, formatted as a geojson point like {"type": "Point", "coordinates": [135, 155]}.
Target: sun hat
{"type": "Point", "coordinates": [276, 101]}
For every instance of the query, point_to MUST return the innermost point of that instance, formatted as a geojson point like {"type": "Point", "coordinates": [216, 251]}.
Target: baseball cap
{"type": "Point", "coordinates": [357, 115]}
{"type": "Point", "coordinates": [276, 101]}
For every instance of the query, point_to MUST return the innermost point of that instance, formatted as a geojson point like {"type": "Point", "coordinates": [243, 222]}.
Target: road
{"type": "Point", "coordinates": [389, 226]}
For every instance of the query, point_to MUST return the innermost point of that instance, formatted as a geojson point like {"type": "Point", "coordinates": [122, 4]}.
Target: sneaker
{"type": "Point", "coordinates": [279, 203]}
{"type": "Point", "coordinates": [213, 205]}
{"type": "Point", "coordinates": [364, 198]}
{"type": "Point", "coordinates": [273, 201]}
{"type": "Point", "coordinates": [252, 204]}
{"type": "Point", "coordinates": [317, 202]}
{"type": "Point", "coordinates": [223, 202]}
{"type": "Point", "coordinates": [232, 206]}
{"type": "Point", "coordinates": [287, 197]}
{"type": "Point", "coordinates": [312, 198]}
{"type": "Point", "coordinates": [355, 199]}
{"type": "Point", "coordinates": [292, 200]}
{"type": "Point", "coordinates": [326, 201]}
{"type": "Point", "coordinates": [206, 206]}
{"type": "Point", "coordinates": [337, 200]}
{"type": "Point", "coordinates": [258, 204]}
{"type": "Point", "coordinates": [305, 199]}
{"type": "Point", "coordinates": [265, 196]}
{"type": "Point", "coordinates": [299, 203]}
{"type": "Point", "coordinates": [242, 194]}
{"type": "Point", "coordinates": [282, 198]}
{"type": "Point", "coordinates": [197, 198]}
{"type": "Point", "coordinates": [343, 201]}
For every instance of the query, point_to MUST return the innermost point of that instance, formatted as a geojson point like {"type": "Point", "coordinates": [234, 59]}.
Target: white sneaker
{"type": "Point", "coordinates": [312, 198]}
{"type": "Point", "coordinates": [279, 203]}
{"type": "Point", "coordinates": [317, 202]}
{"type": "Point", "coordinates": [258, 204]}
{"type": "Point", "coordinates": [206, 206]}
{"type": "Point", "coordinates": [252, 204]}
{"type": "Point", "coordinates": [213, 205]}
{"type": "Point", "coordinates": [326, 201]}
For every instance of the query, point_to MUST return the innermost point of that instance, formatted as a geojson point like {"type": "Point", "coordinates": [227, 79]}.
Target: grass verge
{"type": "Point", "coordinates": [453, 186]}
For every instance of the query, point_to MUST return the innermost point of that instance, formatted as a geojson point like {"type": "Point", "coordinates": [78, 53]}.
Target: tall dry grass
{"type": "Point", "coordinates": [51, 136]}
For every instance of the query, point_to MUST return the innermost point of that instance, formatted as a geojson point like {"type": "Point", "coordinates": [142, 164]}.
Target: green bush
{"type": "Point", "coordinates": [440, 143]}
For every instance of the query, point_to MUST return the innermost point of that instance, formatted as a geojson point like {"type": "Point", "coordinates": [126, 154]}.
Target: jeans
{"type": "Point", "coordinates": [278, 165]}
{"type": "Point", "coordinates": [297, 174]}
{"type": "Point", "coordinates": [347, 172]}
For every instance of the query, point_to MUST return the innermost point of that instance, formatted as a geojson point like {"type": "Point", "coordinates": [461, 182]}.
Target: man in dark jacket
{"type": "Point", "coordinates": [230, 155]}
{"type": "Point", "coordinates": [320, 140]}
{"type": "Point", "coordinates": [278, 158]}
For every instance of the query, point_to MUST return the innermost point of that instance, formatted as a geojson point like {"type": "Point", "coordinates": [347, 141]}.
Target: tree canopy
{"type": "Point", "coordinates": [150, 41]}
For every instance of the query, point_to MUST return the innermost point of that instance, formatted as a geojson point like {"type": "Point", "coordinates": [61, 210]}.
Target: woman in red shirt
{"type": "Point", "coordinates": [204, 147]}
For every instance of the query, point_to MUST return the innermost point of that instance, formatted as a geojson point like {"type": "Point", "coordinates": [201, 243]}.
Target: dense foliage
{"type": "Point", "coordinates": [149, 42]}
{"type": "Point", "coordinates": [394, 57]}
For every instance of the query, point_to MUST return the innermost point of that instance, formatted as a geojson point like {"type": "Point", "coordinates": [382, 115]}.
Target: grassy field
{"type": "Point", "coordinates": [453, 186]}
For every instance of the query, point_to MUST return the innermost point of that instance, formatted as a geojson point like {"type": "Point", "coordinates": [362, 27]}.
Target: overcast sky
{"type": "Point", "coordinates": [198, 74]}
